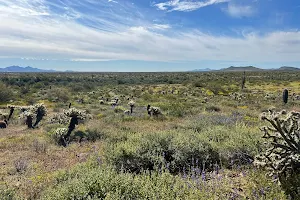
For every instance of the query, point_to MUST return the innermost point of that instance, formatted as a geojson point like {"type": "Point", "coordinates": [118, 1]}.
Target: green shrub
{"type": "Point", "coordinates": [6, 93]}
{"type": "Point", "coordinates": [119, 109]}
{"type": "Point", "coordinates": [178, 150]}
{"type": "Point", "coordinates": [7, 193]}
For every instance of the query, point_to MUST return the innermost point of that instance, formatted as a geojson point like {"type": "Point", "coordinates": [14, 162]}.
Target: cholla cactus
{"type": "Point", "coordinates": [75, 115]}
{"type": "Point", "coordinates": [113, 103]}
{"type": "Point", "coordinates": [270, 96]}
{"type": "Point", "coordinates": [237, 96]}
{"type": "Point", "coordinates": [127, 112]}
{"type": "Point", "coordinates": [40, 110]}
{"type": "Point", "coordinates": [282, 156]}
{"type": "Point", "coordinates": [4, 115]}
{"type": "Point", "coordinates": [59, 136]}
{"type": "Point", "coordinates": [11, 111]}
{"type": "Point", "coordinates": [59, 118]}
{"type": "Point", "coordinates": [154, 111]}
{"type": "Point", "coordinates": [61, 132]}
{"type": "Point", "coordinates": [73, 112]}
{"type": "Point", "coordinates": [131, 104]}
{"type": "Point", "coordinates": [28, 114]}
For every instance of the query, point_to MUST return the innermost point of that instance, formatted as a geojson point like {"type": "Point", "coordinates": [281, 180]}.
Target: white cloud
{"type": "Point", "coordinates": [186, 5]}
{"type": "Point", "coordinates": [108, 36]}
{"type": "Point", "coordinates": [235, 10]}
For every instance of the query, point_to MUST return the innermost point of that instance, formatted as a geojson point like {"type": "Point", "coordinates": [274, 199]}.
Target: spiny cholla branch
{"type": "Point", "coordinates": [283, 146]}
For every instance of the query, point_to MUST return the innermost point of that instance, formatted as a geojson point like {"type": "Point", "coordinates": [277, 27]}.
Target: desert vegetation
{"type": "Point", "coordinates": [214, 135]}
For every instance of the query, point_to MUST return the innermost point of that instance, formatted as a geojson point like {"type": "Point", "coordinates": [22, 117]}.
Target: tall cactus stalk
{"type": "Point", "coordinates": [285, 96]}
{"type": "Point", "coordinates": [244, 80]}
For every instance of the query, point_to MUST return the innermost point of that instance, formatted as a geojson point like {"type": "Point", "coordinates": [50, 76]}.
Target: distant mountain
{"type": "Point", "coordinates": [287, 68]}
{"type": "Point", "coordinates": [247, 68]}
{"type": "Point", "coordinates": [23, 69]}
{"type": "Point", "coordinates": [251, 68]}
{"type": "Point", "coordinates": [202, 70]}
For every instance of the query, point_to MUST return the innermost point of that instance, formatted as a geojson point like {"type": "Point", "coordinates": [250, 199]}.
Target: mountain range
{"type": "Point", "coordinates": [232, 68]}
{"type": "Point", "coordinates": [23, 69]}
{"type": "Point", "coordinates": [249, 68]}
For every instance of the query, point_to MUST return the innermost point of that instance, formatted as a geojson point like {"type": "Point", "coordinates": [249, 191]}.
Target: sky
{"type": "Point", "coordinates": [149, 35]}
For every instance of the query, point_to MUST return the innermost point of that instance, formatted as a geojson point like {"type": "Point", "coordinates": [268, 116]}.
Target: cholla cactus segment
{"type": "Point", "coordinates": [24, 108]}
{"type": "Point", "coordinates": [59, 118]}
{"type": "Point", "coordinates": [27, 113]}
{"type": "Point", "coordinates": [155, 111]}
{"type": "Point", "coordinates": [11, 106]}
{"type": "Point", "coordinates": [237, 96]}
{"type": "Point", "coordinates": [3, 114]}
{"type": "Point", "coordinates": [283, 146]}
{"type": "Point", "coordinates": [131, 103]}
{"type": "Point", "coordinates": [73, 112]}
{"type": "Point", "coordinates": [61, 132]}
{"type": "Point", "coordinates": [39, 108]}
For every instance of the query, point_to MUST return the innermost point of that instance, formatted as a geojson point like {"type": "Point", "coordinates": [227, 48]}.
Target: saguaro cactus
{"type": "Point", "coordinates": [244, 80]}
{"type": "Point", "coordinates": [285, 96]}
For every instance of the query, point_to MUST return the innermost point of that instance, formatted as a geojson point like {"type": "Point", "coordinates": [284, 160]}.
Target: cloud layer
{"type": "Point", "coordinates": [101, 30]}
{"type": "Point", "coordinates": [186, 5]}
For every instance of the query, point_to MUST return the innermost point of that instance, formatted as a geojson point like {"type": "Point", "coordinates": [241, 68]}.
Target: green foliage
{"type": "Point", "coordinates": [119, 109]}
{"type": "Point", "coordinates": [6, 93]}
{"type": "Point", "coordinates": [7, 193]}
{"type": "Point", "coordinates": [58, 95]}
{"type": "Point", "coordinates": [148, 151]}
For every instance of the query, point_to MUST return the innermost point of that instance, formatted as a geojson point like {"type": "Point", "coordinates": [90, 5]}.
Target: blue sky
{"type": "Point", "coordinates": [148, 35]}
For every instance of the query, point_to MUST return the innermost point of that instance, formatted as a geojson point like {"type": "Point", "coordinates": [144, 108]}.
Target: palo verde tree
{"type": "Point", "coordinates": [282, 154]}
